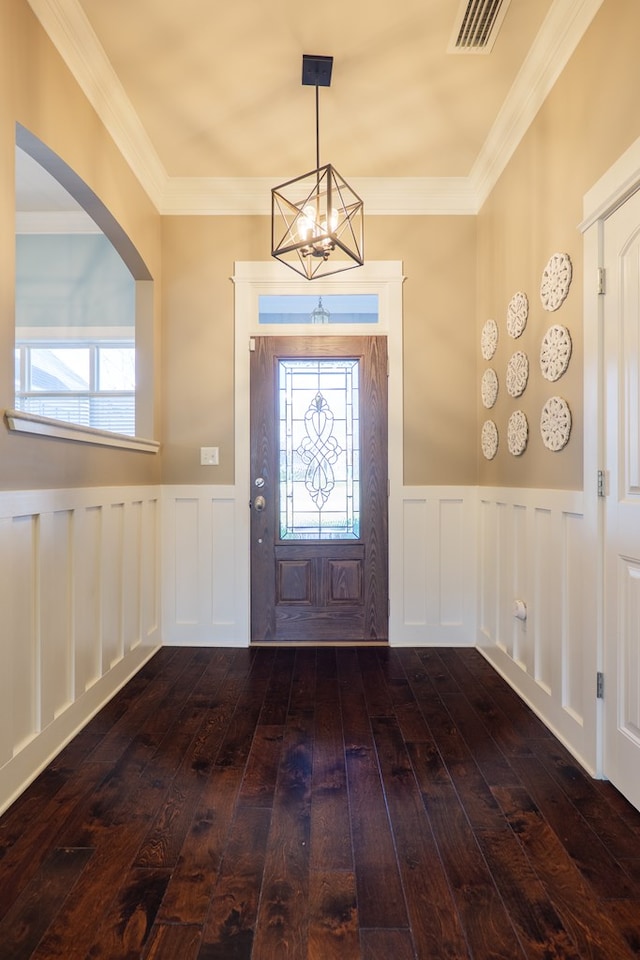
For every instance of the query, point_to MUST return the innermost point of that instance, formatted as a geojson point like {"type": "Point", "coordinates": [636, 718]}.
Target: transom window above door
{"type": "Point", "coordinates": [330, 308]}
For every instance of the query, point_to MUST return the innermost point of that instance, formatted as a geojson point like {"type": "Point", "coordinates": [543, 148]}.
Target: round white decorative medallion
{"type": "Point", "coordinates": [555, 423]}
{"type": "Point", "coordinates": [489, 439]}
{"type": "Point", "coordinates": [489, 339]}
{"type": "Point", "coordinates": [555, 352]}
{"type": "Point", "coordinates": [517, 433]}
{"type": "Point", "coordinates": [489, 387]}
{"type": "Point", "coordinates": [517, 373]}
{"type": "Point", "coordinates": [556, 280]}
{"type": "Point", "coordinates": [517, 313]}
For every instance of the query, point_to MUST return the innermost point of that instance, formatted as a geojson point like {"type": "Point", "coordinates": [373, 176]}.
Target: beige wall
{"type": "Point", "coordinates": [588, 120]}
{"type": "Point", "coordinates": [460, 271]}
{"type": "Point", "coordinates": [438, 254]}
{"type": "Point", "coordinates": [37, 91]}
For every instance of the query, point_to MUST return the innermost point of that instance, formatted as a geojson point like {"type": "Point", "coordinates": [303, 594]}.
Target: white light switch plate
{"type": "Point", "coordinates": [209, 456]}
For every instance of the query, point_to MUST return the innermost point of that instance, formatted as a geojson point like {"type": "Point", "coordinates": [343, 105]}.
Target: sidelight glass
{"type": "Point", "coordinates": [319, 448]}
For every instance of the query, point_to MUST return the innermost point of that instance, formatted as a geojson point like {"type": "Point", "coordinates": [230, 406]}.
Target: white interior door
{"type": "Point", "coordinates": [622, 537]}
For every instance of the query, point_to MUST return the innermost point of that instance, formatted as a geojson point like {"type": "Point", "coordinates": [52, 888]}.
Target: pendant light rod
{"type": "Point", "coordinates": [317, 127]}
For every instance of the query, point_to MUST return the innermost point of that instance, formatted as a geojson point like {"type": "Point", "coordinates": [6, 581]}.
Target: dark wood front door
{"type": "Point", "coordinates": [319, 489]}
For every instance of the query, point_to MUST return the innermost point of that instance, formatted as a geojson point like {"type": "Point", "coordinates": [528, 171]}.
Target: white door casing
{"type": "Point", "coordinates": [621, 345]}
{"type": "Point", "coordinates": [611, 397]}
{"type": "Point", "coordinates": [251, 279]}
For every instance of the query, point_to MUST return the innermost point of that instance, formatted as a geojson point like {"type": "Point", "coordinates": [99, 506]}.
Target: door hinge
{"type": "Point", "coordinates": [600, 685]}
{"type": "Point", "coordinates": [252, 344]}
{"type": "Point", "coordinates": [602, 280]}
{"type": "Point", "coordinates": [602, 483]}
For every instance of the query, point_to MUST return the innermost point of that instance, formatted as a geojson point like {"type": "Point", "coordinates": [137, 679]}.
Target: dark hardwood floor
{"type": "Point", "coordinates": [284, 804]}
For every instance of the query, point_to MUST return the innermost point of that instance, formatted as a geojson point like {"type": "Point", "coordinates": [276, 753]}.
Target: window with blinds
{"type": "Point", "coordinates": [90, 383]}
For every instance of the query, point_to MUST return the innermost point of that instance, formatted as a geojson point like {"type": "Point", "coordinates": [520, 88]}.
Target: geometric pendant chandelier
{"type": "Point", "coordinates": [317, 220]}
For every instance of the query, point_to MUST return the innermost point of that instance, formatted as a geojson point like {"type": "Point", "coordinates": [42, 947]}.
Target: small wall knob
{"type": "Point", "coordinates": [519, 609]}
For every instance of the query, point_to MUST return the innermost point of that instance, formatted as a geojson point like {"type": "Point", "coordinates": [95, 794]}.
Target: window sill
{"type": "Point", "coordinates": [21, 422]}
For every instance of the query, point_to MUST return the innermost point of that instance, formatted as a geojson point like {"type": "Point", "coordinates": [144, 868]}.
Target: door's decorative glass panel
{"type": "Point", "coordinates": [319, 449]}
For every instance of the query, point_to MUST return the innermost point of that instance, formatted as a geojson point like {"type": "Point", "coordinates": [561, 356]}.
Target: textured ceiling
{"type": "Point", "coordinates": [213, 90]}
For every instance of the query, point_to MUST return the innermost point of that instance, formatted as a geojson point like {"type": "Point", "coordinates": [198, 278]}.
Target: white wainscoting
{"type": "Point", "coordinates": [534, 546]}
{"type": "Point", "coordinates": [432, 545]}
{"type": "Point", "coordinates": [80, 602]}
{"type": "Point", "coordinates": [432, 552]}
{"type": "Point", "coordinates": [205, 566]}
{"type": "Point", "coordinates": [94, 580]}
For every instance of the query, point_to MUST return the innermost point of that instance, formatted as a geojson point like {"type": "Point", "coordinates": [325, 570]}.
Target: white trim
{"type": "Point", "coordinates": [404, 196]}
{"type": "Point", "coordinates": [69, 29]}
{"type": "Point", "coordinates": [618, 183]}
{"type": "Point", "coordinates": [20, 422]}
{"type": "Point", "coordinates": [252, 278]}
{"type": "Point", "coordinates": [612, 189]}
{"type": "Point", "coordinates": [557, 39]}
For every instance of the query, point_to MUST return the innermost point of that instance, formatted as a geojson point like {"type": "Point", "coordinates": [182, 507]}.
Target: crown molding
{"type": "Point", "coordinates": [71, 33]}
{"type": "Point", "coordinates": [228, 196]}
{"type": "Point", "coordinates": [75, 40]}
{"type": "Point", "coordinates": [556, 41]}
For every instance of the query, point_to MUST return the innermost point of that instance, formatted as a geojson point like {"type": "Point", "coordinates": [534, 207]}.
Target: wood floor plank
{"type": "Point", "coordinates": [124, 930]}
{"type": "Point", "coordinates": [276, 699]}
{"type": "Point", "coordinates": [330, 829]}
{"type": "Point", "coordinates": [387, 945]}
{"type": "Point", "coordinates": [200, 735]}
{"type": "Point", "coordinates": [231, 921]}
{"type": "Point", "coordinates": [24, 925]}
{"type": "Point", "coordinates": [261, 770]}
{"type": "Point", "coordinates": [376, 690]}
{"type": "Point", "coordinates": [621, 838]}
{"type": "Point", "coordinates": [380, 895]}
{"type": "Point", "coordinates": [168, 942]}
{"type": "Point", "coordinates": [283, 920]}
{"type": "Point", "coordinates": [440, 866]}
{"type": "Point", "coordinates": [23, 851]}
{"type": "Point", "coordinates": [333, 916]}
{"type": "Point", "coordinates": [466, 723]}
{"type": "Point", "coordinates": [71, 934]}
{"type": "Point", "coordinates": [588, 853]}
{"type": "Point", "coordinates": [583, 915]}
{"type": "Point", "coordinates": [481, 672]}
{"type": "Point", "coordinates": [195, 874]}
{"type": "Point", "coordinates": [541, 931]}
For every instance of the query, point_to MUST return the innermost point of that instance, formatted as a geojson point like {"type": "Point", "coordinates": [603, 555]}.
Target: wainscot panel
{"type": "Point", "coordinates": [537, 607]}
{"type": "Point", "coordinates": [433, 567]}
{"type": "Point", "coordinates": [206, 567]}
{"type": "Point", "coordinates": [79, 598]}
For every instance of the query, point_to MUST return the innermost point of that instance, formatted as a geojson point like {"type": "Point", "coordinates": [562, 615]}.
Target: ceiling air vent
{"type": "Point", "coordinates": [476, 26]}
